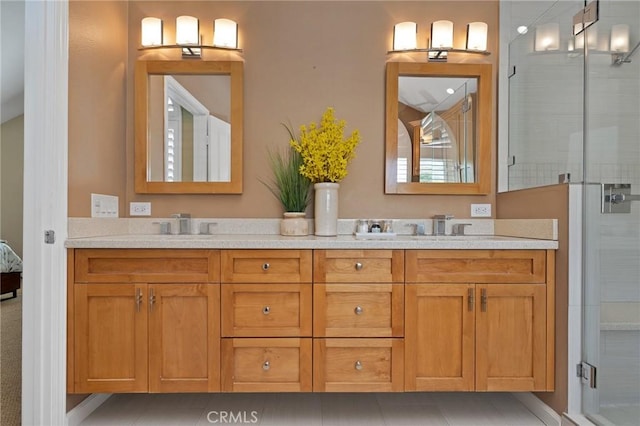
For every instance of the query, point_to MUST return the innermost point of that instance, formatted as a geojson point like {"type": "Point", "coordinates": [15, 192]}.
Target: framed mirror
{"type": "Point", "coordinates": [188, 127]}
{"type": "Point", "coordinates": [438, 128]}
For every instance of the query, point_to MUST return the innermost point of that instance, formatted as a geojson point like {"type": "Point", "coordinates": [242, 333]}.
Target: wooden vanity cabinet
{"type": "Point", "coordinates": [145, 321]}
{"type": "Point", "coordinates": [358, 316]}
{"type": "Point", "coordinates": [266, 321]}
{"type": "Point", "coordinates": [479, 320]}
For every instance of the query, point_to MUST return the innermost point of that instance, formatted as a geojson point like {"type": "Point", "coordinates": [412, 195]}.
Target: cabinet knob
{"type": "Point", "coordinates": [266, 365]}
{"type": "Point", "coordinates": [266, 310]}
{"type": "Point", "coordinates": [358, 310]}
{"type": "Point", "coordinates": [265, 266]}
{"type": "Point", "coordinates": [358, 365]}
{"type": "Point", "coordinates": [358, 266]}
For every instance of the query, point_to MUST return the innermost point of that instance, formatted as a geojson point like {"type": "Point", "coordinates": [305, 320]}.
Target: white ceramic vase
{"type": "Point", "coordinates": [326, 209]}
{"type": "Point", "coordinates": [294, 224]}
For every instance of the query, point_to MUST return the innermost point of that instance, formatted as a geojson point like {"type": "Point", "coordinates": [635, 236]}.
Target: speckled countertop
{"type": "Point", "coordinates": [137, 233]}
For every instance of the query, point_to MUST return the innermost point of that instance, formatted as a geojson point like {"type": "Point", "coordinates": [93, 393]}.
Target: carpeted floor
{"type": "Point", "coordinates": [10, 361]}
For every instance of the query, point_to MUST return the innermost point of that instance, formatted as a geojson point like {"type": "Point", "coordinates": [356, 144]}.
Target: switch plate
{"type": "Point", "coordinates": [139, 209]}
{"type": "Point", "coordinates": [480, 210]}
{"type": "Point", "coordinates": [104, 205]}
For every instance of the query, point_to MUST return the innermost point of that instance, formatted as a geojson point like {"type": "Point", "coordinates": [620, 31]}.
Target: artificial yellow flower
{"type": "Point", "coordinates": [324, 149]}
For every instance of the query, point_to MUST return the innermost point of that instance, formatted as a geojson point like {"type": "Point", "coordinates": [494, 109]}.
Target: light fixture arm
{"type": "Point", "coordinates": [621, 58]}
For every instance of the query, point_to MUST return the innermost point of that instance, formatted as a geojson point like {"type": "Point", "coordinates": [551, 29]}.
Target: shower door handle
{"type": "Point", "coordinates": [617, 197]}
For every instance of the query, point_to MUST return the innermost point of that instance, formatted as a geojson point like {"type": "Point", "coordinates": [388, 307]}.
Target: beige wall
{"type": "Point", "coordinates": [300, 57]}
{"type": "Point", "coordinates": [543, 203]}
{"type": "Point", "coordinates": [11, 182]}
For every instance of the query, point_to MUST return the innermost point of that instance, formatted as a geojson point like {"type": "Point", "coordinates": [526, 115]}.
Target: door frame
{"type": "Point", "coordinates": [45, 208]}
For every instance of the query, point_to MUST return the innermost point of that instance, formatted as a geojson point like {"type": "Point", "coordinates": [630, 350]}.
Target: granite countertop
{"type": "Point", "coordinates": [308, 242]}
{"type": "Point", "coordinates": [264, 234]}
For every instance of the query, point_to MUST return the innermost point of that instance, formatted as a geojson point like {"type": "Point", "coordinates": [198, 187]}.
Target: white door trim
{"type": "Point", "coordinates": [45, 208]}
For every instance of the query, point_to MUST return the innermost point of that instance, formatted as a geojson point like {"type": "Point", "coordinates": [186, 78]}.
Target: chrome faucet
{"type": "Point", "coordinates": [440, 223]}
{"type": "Point", "coordinates": [184, 222]}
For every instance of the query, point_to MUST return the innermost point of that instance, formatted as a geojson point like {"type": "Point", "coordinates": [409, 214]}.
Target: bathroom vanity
{"type": "Point", "coordinates": [308, 314]}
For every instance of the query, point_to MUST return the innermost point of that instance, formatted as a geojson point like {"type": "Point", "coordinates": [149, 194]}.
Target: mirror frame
{"type": "Point", "coordinates": [142, 71]}
{"type": "Point", "coordinates": [482, 72]}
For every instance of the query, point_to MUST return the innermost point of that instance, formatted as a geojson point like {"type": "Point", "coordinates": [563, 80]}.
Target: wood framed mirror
{"type": "Point", "coordinates": [188, 127]}
{"type": "Point", "coordinates": [438, 128]}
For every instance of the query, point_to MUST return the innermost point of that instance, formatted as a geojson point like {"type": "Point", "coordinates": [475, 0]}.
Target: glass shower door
{"type": "Point", "coordinates": [611, 251]}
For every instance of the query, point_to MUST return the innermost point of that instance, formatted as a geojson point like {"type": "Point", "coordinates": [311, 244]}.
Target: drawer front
{"type": "Point", "coordinates": [266, 365]}
{"type": "Point", "coordinates": [358, 310]}
{"type": "Point", "coordinates": [476, 266]}
{"type": "Point", "coordinates": [358, 365]}
{"type": "Point", "coordinates": [266, 310]}
{"type": "Point", "coordinates": [266, 266]}
{"type": "Point", "coordinates": [149, 266]}
{"type": "Point", "coordinates": [358, 266]}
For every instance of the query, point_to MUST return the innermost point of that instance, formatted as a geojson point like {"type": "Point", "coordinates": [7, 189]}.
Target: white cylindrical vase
{"type": "Point", "coordinates": [294, 224]}
{"type": "Point", "coordinates": [326, 209]}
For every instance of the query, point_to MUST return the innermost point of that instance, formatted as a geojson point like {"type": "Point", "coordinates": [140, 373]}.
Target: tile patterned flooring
{"type": "Point", "coordinates": [330, 409]}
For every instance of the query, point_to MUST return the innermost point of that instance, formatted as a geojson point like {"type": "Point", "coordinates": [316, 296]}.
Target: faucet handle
{"type": "Point", "coordinates": [458, 228]}
{"type": "Point", "coordinates": [181, 215]}
{"type": "Point", "coordinates": [443, 216]}
{"type": "Point", "coordinates": [165, 227]}
{"type": "Point", "coordinates": [205, 227]}
{"type": "Point", "coordinates": [418, 228]}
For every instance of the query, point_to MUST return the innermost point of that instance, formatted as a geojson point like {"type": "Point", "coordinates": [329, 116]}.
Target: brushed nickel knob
{"type": "Point", "coordinates": [266, 365]}
{"type": "Point", "coordinates": [265, 266]}
{"type": "Point", "coordinates": [266, 310]}
{"type": "Point", "coordinates": [358, 365]}
{"type": "Point", "coordinates": [358, 266]}
{"type": "Point", "coordinates": [358, 310]}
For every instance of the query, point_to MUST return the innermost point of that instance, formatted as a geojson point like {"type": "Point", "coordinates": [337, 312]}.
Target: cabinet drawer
{"type": "Point", "coordinates": [476, 266]}
{"type": "Point", "coordinates": [266, 365]}
{"type": "Point", "coordinates": [266, 310]}
{"type": "Point", "coordinates": [358, 310]}
{"type": "Point", "coordinates": [358, 365]}
{"type": "Point", "coordinates": [358, 266]}
{"type": "Point", "coordinates": [266, 266]}
{"type": "Point", "coordinates": [149, 266]}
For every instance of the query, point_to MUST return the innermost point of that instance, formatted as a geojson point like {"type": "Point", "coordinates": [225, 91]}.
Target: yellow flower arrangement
{"type": "Point", "coordinates": [324, 149]}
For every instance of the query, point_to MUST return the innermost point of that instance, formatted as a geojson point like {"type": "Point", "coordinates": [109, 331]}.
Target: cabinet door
{"type": "Point", "coordinates": [510, 337]}
{"type": "Point", "coordinates": [184, 337]}
{"type": "Point", "coordinates": [110, 338]}
{"type": "Point", "coordinates": [439, 337]}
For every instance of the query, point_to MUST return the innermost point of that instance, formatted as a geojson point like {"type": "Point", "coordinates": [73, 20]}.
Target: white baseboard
{"type": "Point", "coordinates": [539, 408]}
{"type": "Point", "coordinates": [86, 407]}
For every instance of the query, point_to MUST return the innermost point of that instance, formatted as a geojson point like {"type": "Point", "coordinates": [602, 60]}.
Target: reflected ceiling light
{"type": "Point", "coordinates": [151, 32]}
{"type": "Point", "coordinates": [477, 36]}
{"type": "Point", "coordinates": [450, 91]}
{"type": "Point", "coordinates": [225, 33]}
{"type": "Point", "coordinates": [547, 37]}
{"type": "Point", "coordinates": [405, 35]}
{"type": "Point", "coordinates": [522, 29]}
{"type": "Point", "coordinates": [441, 42]}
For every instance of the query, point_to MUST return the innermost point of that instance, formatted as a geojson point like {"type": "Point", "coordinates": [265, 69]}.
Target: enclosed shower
{"type": "Point", "coordinates": [574, 117]}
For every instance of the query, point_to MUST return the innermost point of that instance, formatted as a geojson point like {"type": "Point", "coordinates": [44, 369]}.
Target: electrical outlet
{"type": "Point", "coordinates": [139, 209]}
{"type": "Point", "coordinates": [104, 205]}
{"type": "Point", "coordinates": [480, 210]}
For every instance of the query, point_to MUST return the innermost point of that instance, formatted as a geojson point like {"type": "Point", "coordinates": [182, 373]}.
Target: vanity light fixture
{"type": "Point", "coordinates": [547, 37]}
{"type": "Point", "coordinates": [441, 41]}
{"type": "Point", "coordinates": [188, 36]}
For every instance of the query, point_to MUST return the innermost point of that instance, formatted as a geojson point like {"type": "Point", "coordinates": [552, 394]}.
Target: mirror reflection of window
{"type": "Point", "coordinates": [436, 133]}
{"type": "Point", "coordinates": [190, 140]}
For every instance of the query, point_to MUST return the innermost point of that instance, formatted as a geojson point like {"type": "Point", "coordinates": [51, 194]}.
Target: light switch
{"type": "Point", "coordinates": [104, 205]}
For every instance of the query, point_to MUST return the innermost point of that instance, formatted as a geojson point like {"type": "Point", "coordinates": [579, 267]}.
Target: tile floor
{"type": "Point", "coordinates": [408, 409]}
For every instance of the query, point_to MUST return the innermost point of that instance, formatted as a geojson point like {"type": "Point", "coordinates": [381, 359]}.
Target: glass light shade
{"type": "Point", "coordinates": [404, 36]}
{"type": "Point", "coordinates": [620, 38]}
{"type": "Point", "coordinates": [187, 31]}
{"type": "Point", "coordinates": [225, 33]}
{"type": "Point", "coordinates": [547, 37]}
{"type": "Point", "coordinates": [151, 32]}
{"type": "Point", "coordinates": [477, 36]}
{"type": "Point", "coordinates": [592, 39]}
{"type": "Point", "coordinates": [442, 35]}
